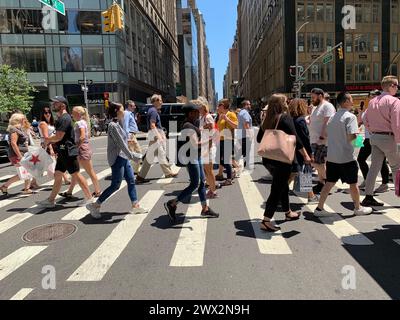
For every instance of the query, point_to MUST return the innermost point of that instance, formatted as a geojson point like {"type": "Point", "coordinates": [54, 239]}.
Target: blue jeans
{"type": "Point", "coordinates": [120, 169]}
{"type": "Point", "coordinates": [197, 181]}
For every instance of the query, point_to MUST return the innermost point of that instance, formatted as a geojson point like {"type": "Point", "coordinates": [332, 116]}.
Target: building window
{"type": "Point", "coordinates": [329, 12]}
{"type": "Point", "coordinates": [329, 41]}
{"type": "Point", "coordinates": [71, 59]}
{"type": "Point", "coordinates": [301, 42]}
{"type": "Point", "coordinates": [362, 72]}
{"type": "Point", "coordinates": [367, 12]}
{"type": "Point", "coordinates": [375, 42]}
{"type": "Point", "coordinates": [376, 76]}
{"type": "Point", "coordinates": [395, 45]}
{"type": "Point", "coordinates": [93, 59]}
{"type": "Point", "coordinates": [349, 42]}
{"type": "Point", "coordinates": [315, 42]}
{"type": "Point", "coordinates": [329, 72]}
{"type": "Point", "coordinates": [13, 57]}
{"type": "Point", "coordinates": [300, 11]}
{"type": "Point", "coordinates": [395, 11]}
{"type": "Point", "coordinates": [320, 12]}
{"type": "Point", "coordinates": [310, 12]}
{"type": "Point", "coordinates": [315, 73]}
{"type": "Point", "coordinates": [28, 58]}
{"type": "Point", "coordinates": [376, 11]}
{"type": "Point", "coordinates": [349, 72]}
{"type": "Point", "coordinates": [393, 69]}
{"type": "Point", "coordinates": [85, 22]}
{"type": "Point", "coordinates": [21, 21]}
{"type": "Point", "coordinates": [362, 42]}
{"type": "Point", "coordinates": [359, 14]}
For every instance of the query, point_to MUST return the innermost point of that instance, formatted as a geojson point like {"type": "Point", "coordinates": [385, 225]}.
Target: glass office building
{"type": "Point", "coordinates": [58, 53]}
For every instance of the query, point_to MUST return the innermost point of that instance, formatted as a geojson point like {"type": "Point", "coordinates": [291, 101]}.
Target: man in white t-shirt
{"type": "Point", "coordinates": [341, 163]}
{"type": "Point", "coordinates": [322, 112]}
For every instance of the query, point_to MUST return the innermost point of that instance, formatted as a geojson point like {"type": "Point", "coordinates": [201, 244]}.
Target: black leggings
{"type": "Point", "coordinates": [364, 154]}
{"type": "Point", "coordinates": [279, 189]}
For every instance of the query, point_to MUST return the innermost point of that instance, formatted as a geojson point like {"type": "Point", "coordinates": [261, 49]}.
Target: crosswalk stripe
{"type": "Point", "coordinates": [17, 259]}
{"type": "Point", "coordinates": [80, 213]}
{"type": "Point", "coordinates": [98, 264]}
{"type": "Point", "coordinates": [397, 241]}
{"type": "Point", "coordinates": [189, 250]}
{"type": "Point", "coordinates": [169, 180]}
{"type": "Point", "coordinates": [340, 227]}
{"type": "Point", "coordinates": [390, 212]}
{"type": "Point", "coordinates": [268, 243]}
{"type": "Point", "coordinates": [5, 178]}
{"type": "Point", "coordinates": [22, 294]}
{"type": "Point", "coordinates": [18, 218]}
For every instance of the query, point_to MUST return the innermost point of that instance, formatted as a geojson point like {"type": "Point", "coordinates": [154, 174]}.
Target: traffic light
{"type": "Point", "coordinates": [340, 53]}
{"type": "Point", "coordinates": [108, 15]}
{"type": "Point", "coordinates": [118, 17]}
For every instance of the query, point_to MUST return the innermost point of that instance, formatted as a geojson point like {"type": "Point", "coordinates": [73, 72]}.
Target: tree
{"type": "Point", "coordinates": [15, 90]}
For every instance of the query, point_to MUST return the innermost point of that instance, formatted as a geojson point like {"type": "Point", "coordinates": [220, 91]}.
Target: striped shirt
{"type": "Point", "coordinates": [117, 143]}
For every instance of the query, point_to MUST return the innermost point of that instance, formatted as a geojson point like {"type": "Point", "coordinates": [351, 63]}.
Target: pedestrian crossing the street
{"type": "Point", "coordinates": [189, 248]}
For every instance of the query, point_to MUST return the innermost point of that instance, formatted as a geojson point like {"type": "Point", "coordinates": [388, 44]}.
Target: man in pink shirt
{"type": "Point", "coordinates": [382, 120]}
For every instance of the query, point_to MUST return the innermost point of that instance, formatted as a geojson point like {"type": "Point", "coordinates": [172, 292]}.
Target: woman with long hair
{"type": "Point", "coordinates": [82, 135]}
{"type": "Point", "coordinates": [277, 117]}
{"type": "Point", "coordinates": [47, 129]}
{"type": "Point", "coordinates": [118, 155]}
{"type": "Point", "coordinates": [298, 111]}
{"type": "Point", "coordinates": [19, 142]}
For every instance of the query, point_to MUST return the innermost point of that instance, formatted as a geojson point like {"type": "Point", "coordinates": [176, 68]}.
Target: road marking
{"type": "Point", "coordinates": [268, 243]}
{"type": "Point", "coordinates": [169, 180]}
{"type": "Point", "coordinates": [17, 259]}
{"type": "Point", "coordinates": [98, 264]}
{"type": "Point", "coordinates": [340, 227]}
{"type": "Point", "coordinates": [20, 217]}
{"type": "Point", "coordinates": [189, 250]}
{"type": "Point", "coordinates": [80, 213]}
{"type": "Point", "coordinates": [22, 294]}
{"type": "Point", "coordinates": [7, 177]}
{"type": "Point", "coordinates": [390, 212]}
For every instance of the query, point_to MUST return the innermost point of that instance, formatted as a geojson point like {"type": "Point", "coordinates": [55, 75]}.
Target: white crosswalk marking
{"type": "Point", "coordinates": [17, 259]}
{"type": "Point", "coordinates": [390, 212]}
{"type": "Point", "coordinates": [189, 250]}
{"type": "Point", "coordinates": [169, 180]}
{"type": "Point", "coordinates": [397, 241]}
{"type": "Point", "coordinates": [80, 213]}
{"type": "Point", "coordinates": [268, 243]}
{"type": "Point", "coordinates": [5, 178]}
{"type": "Point", "coordinates": [340, 227]}
{"type": "Point", "coordinates": [98, 264]}
{"type": "Point", "coordinates": [20, 217]}
{"type": "Point", "coordinates": [22, 294]}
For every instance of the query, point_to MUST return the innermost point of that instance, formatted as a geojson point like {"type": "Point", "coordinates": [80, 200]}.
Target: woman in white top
{"type": "Point", "coordinates": [47, 129]}
{"type": "Point", "coordinates": [208, 131]}
{"type": "Point", "coordinates": [82, 134]}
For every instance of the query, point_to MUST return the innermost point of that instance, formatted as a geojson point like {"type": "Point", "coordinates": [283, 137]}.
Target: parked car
{"type": "Point", "coordinates": [3, 140]}
{"type": "Point", "coordinates": [172, 117]}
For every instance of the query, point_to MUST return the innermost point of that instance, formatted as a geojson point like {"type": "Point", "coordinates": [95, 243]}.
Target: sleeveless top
{"type": "Point", "coordinates": [22, 142]}
{"type": "Point", "coordinates": [51, 130]}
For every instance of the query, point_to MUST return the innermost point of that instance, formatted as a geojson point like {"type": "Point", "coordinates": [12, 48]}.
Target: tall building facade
{"type": "Point", "coordinates": [130, 64]}
{"type": "Point", "coordinates": [267, 50]}
{"type": "Point", "coordinates": [188, 51]}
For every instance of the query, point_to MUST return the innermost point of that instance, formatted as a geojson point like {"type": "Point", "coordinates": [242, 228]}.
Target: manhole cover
{"type": "Point", "coordinates": [49, 233]}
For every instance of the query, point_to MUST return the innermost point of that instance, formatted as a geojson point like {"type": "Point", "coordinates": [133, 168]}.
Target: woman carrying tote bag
{"type": "Point", "coordinates": [278, 141]}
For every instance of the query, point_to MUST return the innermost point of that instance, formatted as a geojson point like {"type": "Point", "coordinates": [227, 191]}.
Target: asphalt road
{"type": "Point", "coordinates": [144, 257]}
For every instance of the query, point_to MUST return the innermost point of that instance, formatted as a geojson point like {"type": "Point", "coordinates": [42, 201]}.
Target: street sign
{"type": "Point", "coordinates": [88, 82]}
{"type": "Point", "coordinates": [328, 59]}
{"type": "Point", "coordinates": [57, 5]}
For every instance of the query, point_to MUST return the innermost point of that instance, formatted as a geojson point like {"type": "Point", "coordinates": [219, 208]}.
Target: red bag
{"type": "Point", "coordinates": [397, 183]}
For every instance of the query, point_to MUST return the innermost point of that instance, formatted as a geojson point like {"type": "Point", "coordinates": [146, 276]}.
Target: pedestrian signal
{"type": "Point", "coordinates": [340, 53]}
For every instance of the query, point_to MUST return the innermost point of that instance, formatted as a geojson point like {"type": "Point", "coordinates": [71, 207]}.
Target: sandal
{"type": "Point", "coordinates": [27, 191]}
{"type": "Point", "coordinates": [267, 228]}
{"type": "Point", "coordinates": [219, 178]}
{"type": "Point", "coordinates": [96, 194]}
{"type": "Point", "coordinates": [289, 218]}
{"type": "Point", "coordinates": [4, 190]}
{"type": "Point", "coordinates": [66, 195]}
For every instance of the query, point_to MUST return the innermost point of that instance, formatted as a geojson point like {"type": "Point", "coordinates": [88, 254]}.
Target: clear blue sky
{"type": "Point", "coordinates": [220, 17]}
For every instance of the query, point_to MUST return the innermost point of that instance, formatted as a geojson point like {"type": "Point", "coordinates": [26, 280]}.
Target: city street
{"type": "Point", "coordinates": [143, 257]}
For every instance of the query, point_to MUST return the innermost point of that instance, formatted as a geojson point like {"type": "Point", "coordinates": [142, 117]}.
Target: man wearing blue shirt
{"type": "Point", "coordinates": [131, 128]}
{"type": "Point", "coordinates": [245, 135]}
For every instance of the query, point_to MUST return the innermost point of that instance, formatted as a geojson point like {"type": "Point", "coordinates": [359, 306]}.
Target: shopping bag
{"type": "Point", "coordinates": [51, 169]}
{"type": "Point", "coordinates": [397, 182]}
{"type": "Point", "coordinates": [36, 161]}
{"type": "Point", "coordinates": [304, 181]}
{"type": "Point", "coordinates": [23, 174]}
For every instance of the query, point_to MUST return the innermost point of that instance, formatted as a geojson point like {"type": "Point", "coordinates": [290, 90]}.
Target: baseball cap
{"type": "Point", "coordinates": [318, 91]}
{"type": "Point", "coordinates": [190, 107]}
{"type": "Point", "coordinates": [60, 99]}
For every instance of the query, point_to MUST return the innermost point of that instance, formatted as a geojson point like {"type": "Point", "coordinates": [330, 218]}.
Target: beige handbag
{"type": "Point", "coordinates": [278, 145]}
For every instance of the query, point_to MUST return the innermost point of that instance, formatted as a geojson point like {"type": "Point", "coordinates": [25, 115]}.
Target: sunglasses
{"type": "Point", "coordinates": [47, 112]}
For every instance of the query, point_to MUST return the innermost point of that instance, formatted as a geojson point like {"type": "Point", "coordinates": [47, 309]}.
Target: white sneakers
{"type": "Point", "coordinates": [363, 211]}
{"type": "Point", "coordinates": [139, 210]}
{"type": "Point", "coordinates": [322, 213]}
{"type": "Point", "coordinates": [46, 204]}
{"type": "Point", "coordinates": [94, 210]}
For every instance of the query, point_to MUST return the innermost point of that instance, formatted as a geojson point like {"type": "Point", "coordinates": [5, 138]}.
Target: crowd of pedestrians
{"type": "Point", "coordinates": [321, 136]}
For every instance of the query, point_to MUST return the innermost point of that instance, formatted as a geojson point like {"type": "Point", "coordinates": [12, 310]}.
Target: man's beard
{"type": "Point", "coordinates": [316, 102]}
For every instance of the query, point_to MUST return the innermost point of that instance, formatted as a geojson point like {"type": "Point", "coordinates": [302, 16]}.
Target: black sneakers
{"type": "Point", "coordinates": [171, 210]}
{"type": "Point", "coordinates": [371, 202]}
{"type": "Point", "coordinates": [209, 214]}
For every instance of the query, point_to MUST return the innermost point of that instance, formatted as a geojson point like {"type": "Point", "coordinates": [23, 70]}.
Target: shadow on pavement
{"type": "Point", "coordinates": [245, 228]}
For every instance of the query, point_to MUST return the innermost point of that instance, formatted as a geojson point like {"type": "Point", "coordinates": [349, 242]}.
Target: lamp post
{"type": "Point", "coordinates": [297, 59]}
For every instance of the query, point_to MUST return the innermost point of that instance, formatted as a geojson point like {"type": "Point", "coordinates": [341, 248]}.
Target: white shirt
{"type": "Point", "coordinates": [324, 110]}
